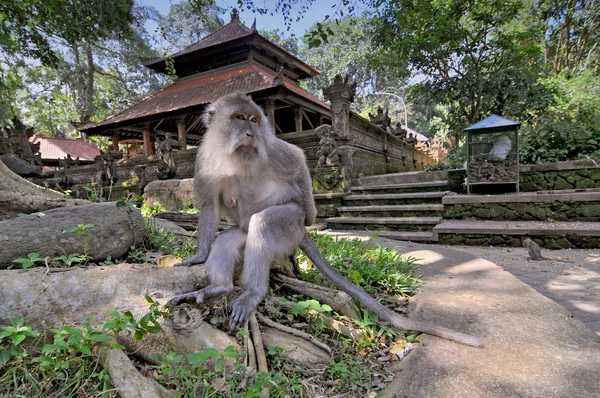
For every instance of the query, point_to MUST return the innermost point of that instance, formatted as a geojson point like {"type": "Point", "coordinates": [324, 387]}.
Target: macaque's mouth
{"type": "Point", "coordinates": [246, 148]}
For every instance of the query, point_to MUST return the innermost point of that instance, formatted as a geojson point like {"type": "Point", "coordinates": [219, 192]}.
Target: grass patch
{"type": "Point", "coordinates": [376, 269]}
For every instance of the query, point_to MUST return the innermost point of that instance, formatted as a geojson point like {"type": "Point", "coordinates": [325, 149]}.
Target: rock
{"type": "Point", "coordinates": [168, 226]}
{"type": "Point", "coordinates": [173, 194]}
{"type": "Point", "coordinates": [116, 230]}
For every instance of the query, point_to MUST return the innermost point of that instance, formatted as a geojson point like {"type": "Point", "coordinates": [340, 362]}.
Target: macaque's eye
{"type": "Point", "coordinates": [254, 119]}
{"type": "Point", "coordinates": [241, 117]}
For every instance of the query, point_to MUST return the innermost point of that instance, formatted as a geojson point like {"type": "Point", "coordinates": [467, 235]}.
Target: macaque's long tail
{"type": "Point", "coordinates": [311, 251]}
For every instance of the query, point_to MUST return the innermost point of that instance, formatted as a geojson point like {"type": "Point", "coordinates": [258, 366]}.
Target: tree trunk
{"type": "Point", "coordinates": [17, 195]}
{"type": "Point", "coordinates": [115, 229]}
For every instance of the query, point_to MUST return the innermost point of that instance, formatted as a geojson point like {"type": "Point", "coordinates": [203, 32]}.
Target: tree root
{"type": "Point", "coordinates": [128, 381]}
{"type": "Point", "coordinates": [341, 302]}
{"type": "Point", "coordinates": [295, 332]}
{"type": "Point", "coordinates": [329, 323]}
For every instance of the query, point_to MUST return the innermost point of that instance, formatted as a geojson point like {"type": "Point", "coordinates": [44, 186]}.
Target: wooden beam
{"type": "Point", "coordinates": [149, 140]}
{"type": "Point", "coordinates": [298, 117]}
{"type": "Point", "coordinates": [181, 132]}
{"type": "Point", "coordinates": [308, 119]}
{"type": "Point", "coordinates": [115, 141]}
{"type": "Point", "coordinates": [270, 111]}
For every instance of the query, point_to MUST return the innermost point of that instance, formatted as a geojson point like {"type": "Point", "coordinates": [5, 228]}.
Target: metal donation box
{"type": "Point", "coordinates": [493, 156]}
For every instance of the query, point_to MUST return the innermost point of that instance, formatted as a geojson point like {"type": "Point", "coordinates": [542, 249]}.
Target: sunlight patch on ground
{"type": "Point", "coordinates": [425, 256]}
{"type": "Point", "coordinates": [477, 264]}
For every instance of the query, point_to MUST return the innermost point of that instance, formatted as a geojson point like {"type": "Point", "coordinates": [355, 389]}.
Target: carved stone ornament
{"type": "Point", "coordinates": [381, 119]}
{"type": "Point", "coordinates": [328, 150]}
{"type": "Point", "coordinates": [399, 131]}
{"type": "Point", "coordinates": [341, 89]}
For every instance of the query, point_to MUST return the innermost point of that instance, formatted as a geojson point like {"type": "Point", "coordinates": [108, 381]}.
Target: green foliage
{"type": "Point", "coordinates": [195, 374]}
{"type": "Point", "coordinates": [70, 260]}
{"type": "Point", "coordinates": [375, 269]}
{"type": "Point", "coordinates": [350, 374]}
{"type": "Point", "coordinates": [438, 167]}
{"type": "Point", "coordinates": [150, 210]}
{"type": "Point", "coordinates": [11, 339]}
{"type": "Point", "coordinates": [186, 24]}
{"type": "Point", "coordinates": [30, 261]}
{"type": "Point", "coordinates": [571, 129]}
{"type": "Point", "coordinates": [310, 310]}
{"type": "Point", "coordinates": [68, 366]}
{"type": "Point", "coordinates": [80, 229]}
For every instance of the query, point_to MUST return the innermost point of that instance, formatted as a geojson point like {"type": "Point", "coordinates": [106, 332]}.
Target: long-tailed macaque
{"type": "Point", "coordinates": [261, 183]}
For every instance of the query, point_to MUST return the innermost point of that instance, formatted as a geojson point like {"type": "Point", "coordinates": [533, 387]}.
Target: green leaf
{"type": "Point", "coordinates": [4, 357]}
{"type": "Point", "coordinates": [213, 352]}
{"type": "Point", "coordinates": [219, 364]}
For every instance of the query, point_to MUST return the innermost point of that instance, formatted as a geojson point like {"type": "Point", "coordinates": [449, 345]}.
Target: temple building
{"type": "Point", "coordinates": [231, 58]}
{"type": "Point", "coordinates": [237, 58]}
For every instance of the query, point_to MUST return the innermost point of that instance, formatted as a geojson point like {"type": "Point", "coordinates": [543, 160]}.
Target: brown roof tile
{"type": "Point", "coordinates": [202, 89]}
{"type": "Point", "coordinates": [53, 148]}
{"type": "Point", "coordinates": [233, 30]}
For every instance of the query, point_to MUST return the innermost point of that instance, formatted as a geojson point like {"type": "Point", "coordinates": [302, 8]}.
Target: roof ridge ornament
{"type": "Point", "coordinates": [235, 15]}
{"type": "Point", "coordinates": [253, 28]}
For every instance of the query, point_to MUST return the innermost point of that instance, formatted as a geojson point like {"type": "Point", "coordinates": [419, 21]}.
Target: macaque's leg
{"type": "Point", "coordinates": [208, 225]}
{"type": "Point", "coordinates": [273, 233]}
{"type": "Point", "coordinates": [221, 262]}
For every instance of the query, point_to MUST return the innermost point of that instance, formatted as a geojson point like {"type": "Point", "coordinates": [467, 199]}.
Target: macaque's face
{"type": "Point", "coordinates": [245, 131]}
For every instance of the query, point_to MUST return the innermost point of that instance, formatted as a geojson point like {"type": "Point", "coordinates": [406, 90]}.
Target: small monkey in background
{"type": "Point", "coordinates": [245, 173]}
{"type": "Point", "coordinates": [535, 251]}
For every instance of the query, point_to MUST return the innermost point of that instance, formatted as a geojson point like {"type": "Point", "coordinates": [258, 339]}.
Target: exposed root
{"type": "Point", "coordinates": [328, 322]}
{"type": "Point", "coordinates": [294, 332]}
{"type": "Point", "coordinates": [341, 302]}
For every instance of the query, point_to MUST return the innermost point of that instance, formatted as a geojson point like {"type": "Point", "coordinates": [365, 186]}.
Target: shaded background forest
{"type": "Point", "coordinates": [66, 63]}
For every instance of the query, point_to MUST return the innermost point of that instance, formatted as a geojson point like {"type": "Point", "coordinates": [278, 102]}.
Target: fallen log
{"type": "Point", "coordinates": [116, 229]}
{"type": "Point", "coordinates": [17, 195]}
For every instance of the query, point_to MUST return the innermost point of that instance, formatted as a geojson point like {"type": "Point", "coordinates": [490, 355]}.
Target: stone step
{"type": "Point", "coordinates": [430, 186]}
{"type": "Point", "coordinates": [383, 223]}
{"type": "Point", "coordinates": [394, 198]}
{"type": "Point", "coordinates": [553, 235]}
{"type": "Point", "coordinates": [394, 235]}
{"type": "Point", "coordinates": [421, 210]}
{"type": "Point", "coordinates": [402, 178]}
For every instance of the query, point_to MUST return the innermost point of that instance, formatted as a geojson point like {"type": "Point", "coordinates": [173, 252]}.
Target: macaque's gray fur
{"type": "Point", "coordinates": [261, 183]}
{"type": "Point", "coordinates": [535, 252]}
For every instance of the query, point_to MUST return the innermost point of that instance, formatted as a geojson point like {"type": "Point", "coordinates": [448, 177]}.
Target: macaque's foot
{"type": "Point", "coordinates": [241, 310]}
{"type": "Point", "coordinates": [197, 296]}
{"type": "Point", "coordinates": [191, 261]}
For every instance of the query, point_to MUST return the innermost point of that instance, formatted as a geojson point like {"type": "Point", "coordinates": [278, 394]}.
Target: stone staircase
{"type": "Point", "coordinates": [402, 206]}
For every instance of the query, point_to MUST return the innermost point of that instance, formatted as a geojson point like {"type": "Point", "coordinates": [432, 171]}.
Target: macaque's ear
{"type": "Point", "coordinates": [209, 113]}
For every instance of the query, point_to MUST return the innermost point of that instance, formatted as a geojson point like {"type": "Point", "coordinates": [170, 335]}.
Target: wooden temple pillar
{"type": "Point", "coordinates": [115, 140]}
{"type": "Point", "coordinates": [181, 132]}
{"type": "Point", "coordinates": [298, 118]}
{"type": "Point", "coordinates": [149, 140]}
{"type": "Point", "coordinates": [270, 111]}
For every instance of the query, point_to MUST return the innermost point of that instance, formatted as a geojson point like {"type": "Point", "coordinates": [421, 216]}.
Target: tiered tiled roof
{"type": "Point", "coordinates": [231, 31]}
{"type": "Point", "coordinates": [201, 89]}
{"type": "Point", "coordinates": [52, 148]}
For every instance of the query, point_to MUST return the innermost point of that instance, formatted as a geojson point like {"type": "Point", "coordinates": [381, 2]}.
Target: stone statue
{"type": "Point", "coordinates": [411, 139]}
{"type": "Point", "coordinates": [399, 131]}
{"type": "Point", "coordinates": [110, 158]}
{"type": "Point", "coordinates": [328, 150]}
{"type": "Point", "coordinates": [166, 147]}
{"type": "Point", "coordinates": [381, 119]}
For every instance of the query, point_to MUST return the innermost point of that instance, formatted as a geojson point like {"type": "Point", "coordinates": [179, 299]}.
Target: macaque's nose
{"type": "Point", "coordinates": [249, 133]}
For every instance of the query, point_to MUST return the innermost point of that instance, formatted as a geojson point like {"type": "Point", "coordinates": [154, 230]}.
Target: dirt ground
{"type": "Point", "coordinates": [571, 278]}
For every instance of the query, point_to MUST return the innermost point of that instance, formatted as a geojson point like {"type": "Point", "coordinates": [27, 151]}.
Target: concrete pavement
{"type": "Point", "coordinates": [533, 346]}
